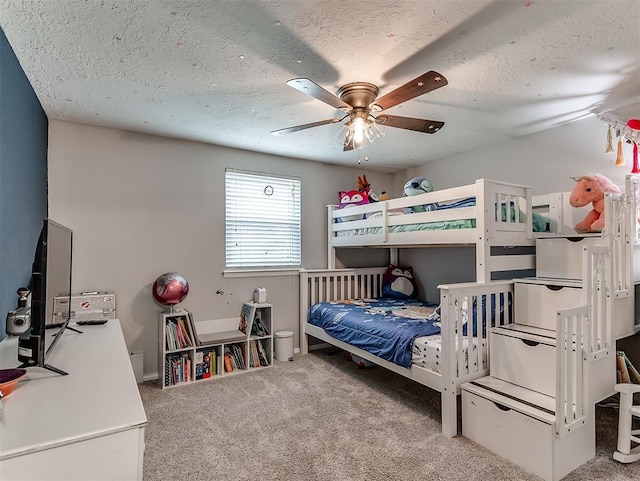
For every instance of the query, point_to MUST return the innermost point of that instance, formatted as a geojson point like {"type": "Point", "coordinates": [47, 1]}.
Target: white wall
{"type": "Point", "coordinates": [141, 205]}
{"type": "Point", "coordinates": [545, 161]}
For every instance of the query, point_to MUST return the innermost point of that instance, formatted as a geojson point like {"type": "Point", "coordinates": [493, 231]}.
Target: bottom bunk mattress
{"type": "Point", "coordinates": [384, 326]}
{"type": "Point", "coordinates": [427, 353]}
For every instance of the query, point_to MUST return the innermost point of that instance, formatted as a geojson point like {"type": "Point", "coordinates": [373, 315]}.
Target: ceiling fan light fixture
{"type": "Point", "coordinates": [361, 128]}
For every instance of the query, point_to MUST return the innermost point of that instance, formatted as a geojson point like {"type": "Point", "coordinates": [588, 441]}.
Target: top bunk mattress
{"type": "Point", "coordinates": [384, 327]}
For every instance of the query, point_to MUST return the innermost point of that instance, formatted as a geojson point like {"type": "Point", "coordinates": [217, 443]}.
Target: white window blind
{"type": "Point", "coordinates": [262, 220]}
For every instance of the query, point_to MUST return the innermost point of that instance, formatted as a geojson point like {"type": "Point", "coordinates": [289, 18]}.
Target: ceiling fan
{"type": "Point", "coordinates": [359, 101]}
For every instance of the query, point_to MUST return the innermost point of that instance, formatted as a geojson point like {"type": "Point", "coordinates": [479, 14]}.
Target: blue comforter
{"type": "Point", "coordinates": [384, 327]}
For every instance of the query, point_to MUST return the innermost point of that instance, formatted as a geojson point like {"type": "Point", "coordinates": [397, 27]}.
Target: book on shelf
{"type": "Point", "coordinates": [177, 369]}
{"type": "Point", "coordinates": [262, 354]}
{"type": "Point", "coordinates": [253, 354]}
{"type": "Point", "coordinates": [238, 355]}
{"type": "Point", "coordinates": [627, 373]}
{"type": "Point", "coordinates": [234, 357]}
{"type": "Point", "coordinates": [229, 363]}
{"type": "Point", "coordinates": [257, 354]}
{"type": "Point", "coordinates": [209, 363]}
{"type": "Point", "coordinates": [177, 333]}
{"type": "Point", "coordinates": [167, 372]}
{"type": "Point", "coordinates": [622, 371]}
{"type": "Point", "coordinates": [246, 317]}
{"type": "Point", "coordinates": [199, 367]}
{"type": "Point", "coordinates": [205, 363]}
{"type": "Point", "coordinates": [170, 338]}
{"type": "Point", "coordinates": [182, 324]}
{"type": "Point", "coordinates": [258, 327]}
{"type": "Point", "coordinates": [192, 328]}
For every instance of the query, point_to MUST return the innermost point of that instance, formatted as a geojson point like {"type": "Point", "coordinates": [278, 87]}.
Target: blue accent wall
{"type": "Point", "coordinates": [23, 177]}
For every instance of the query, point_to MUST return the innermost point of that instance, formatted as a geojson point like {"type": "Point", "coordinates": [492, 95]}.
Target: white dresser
{"type": "Point", "coordinates": [88, 425]}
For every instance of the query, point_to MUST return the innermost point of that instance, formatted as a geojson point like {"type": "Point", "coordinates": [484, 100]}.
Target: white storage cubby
{"type": "Point", "coordinates": [214, 348]}
{"type": "Point", "coordinates": [537, 300]}
{"type": "Point", "coordinates": [524, 356]}
{"type": "Point", "coordinates": [561, 257]}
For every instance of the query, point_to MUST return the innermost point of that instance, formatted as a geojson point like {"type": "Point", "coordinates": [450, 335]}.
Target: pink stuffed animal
{"type": "Point", "coordinates": [591, 189]}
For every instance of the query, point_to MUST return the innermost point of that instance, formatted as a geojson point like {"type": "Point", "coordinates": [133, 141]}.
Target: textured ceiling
{"type": "Point", "coordinates": [215, 71]}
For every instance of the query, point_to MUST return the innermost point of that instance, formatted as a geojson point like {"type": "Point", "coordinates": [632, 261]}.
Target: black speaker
{"type": "Point", "coordinates": [18, 321]}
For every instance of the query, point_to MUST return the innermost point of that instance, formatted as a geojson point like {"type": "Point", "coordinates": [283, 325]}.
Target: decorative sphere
{"type": "Point", "coordinates": [170, 289]}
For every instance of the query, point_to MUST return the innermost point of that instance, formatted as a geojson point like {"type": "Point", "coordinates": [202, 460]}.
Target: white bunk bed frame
{"type": "Point", "coordinates": [614, 269]}
{"type": "Point", "coordinates": [490, 230]}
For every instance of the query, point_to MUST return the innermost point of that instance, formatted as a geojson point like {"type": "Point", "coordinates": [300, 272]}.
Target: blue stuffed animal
{"type": "Point", "coordinates": [416, 186]}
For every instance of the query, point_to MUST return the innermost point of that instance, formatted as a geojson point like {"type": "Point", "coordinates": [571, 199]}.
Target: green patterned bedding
{"type": "Point", "coordinates": [539, 222]}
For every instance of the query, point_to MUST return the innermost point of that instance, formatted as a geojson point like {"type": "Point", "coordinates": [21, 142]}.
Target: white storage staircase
{"type": "Point", "coordinates": [556, 359]}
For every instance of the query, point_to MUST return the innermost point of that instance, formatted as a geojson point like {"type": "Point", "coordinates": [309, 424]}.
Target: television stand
{"type": "Point", "coordinates": [53, 326]}
{"type": "Point", "coordinates": [45, 366]}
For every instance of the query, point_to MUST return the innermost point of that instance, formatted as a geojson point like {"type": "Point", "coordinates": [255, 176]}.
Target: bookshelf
{"type": "Point", "coordinates": [194, 351]}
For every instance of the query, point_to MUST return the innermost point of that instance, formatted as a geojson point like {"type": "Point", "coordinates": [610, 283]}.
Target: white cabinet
{"type": "Point", "coordinates": [88, 424]}
{"type": "Point", "coordinates": [193, 351]}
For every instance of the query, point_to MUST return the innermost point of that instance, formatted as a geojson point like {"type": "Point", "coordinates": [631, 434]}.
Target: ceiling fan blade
{"type": "Point", "coordinates": [409, 123]}
{"type": "Point", "coordinates": [425, 83]}
{"type": "Point", "coordinates": [296, 128]}
{"type": "Point", "coordinates": [311, 88]}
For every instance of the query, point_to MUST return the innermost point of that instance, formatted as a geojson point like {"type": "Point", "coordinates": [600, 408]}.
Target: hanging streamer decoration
{"type": "Point", "coordinates": [634, 125]}
{"type": "Point", "coordinates": [609, 149]}
{"type": "Point", "coordinates": [625, 132]}
{"type": "Point", "coordinates": [620, 156]}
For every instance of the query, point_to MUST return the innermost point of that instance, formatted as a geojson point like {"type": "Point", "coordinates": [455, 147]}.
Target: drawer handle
{"type": "Point", "coordinates": [575, 239]}
{"type": "Point", "coordinates": [501, 407]}
{"type": "Point", "coordinates": [530, 343]}
{"type": "Point", "coordinates": [554, 287]}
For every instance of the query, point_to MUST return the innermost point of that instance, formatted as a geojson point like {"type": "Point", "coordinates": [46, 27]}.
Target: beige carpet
{"type": "Point", "coordinates": [321, 417]}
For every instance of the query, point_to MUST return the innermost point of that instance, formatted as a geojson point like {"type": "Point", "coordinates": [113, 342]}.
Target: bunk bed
{"type": "Point", "coordinates": [487, 214]}
{"type": "Point", "coordinates": [460, 354]}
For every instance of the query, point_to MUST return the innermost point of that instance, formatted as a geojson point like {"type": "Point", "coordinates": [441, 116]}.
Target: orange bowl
{"type": "Point", "coordinates": [9, 378]}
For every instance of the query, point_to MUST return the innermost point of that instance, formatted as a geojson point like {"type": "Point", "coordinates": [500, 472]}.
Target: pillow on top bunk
{"type": "Point", "coordinates": [398, 283]}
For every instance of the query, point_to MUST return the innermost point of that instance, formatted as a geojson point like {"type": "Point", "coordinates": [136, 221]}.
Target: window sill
{"type": "Point", "coordinates": [232, 273]}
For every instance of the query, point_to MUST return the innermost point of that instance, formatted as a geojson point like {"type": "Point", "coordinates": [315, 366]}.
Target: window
{"type": "Point", "coordinates": [262, 220]}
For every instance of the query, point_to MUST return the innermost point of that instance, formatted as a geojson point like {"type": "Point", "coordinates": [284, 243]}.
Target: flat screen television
{"type": "Point", "coordinates": [50, 278]}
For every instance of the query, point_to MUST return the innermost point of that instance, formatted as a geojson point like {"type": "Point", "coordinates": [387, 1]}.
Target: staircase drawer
{"type": "Point", "coordinates": [518, 425]}
{"type": "Point", "coordinates": [510, 433]}
{"type": "Point", "coordinates": [536, 304]}
{"type": "Point", "coordinates": [525, 362]}
{"type": "Point", "coordinates": [561, 257]}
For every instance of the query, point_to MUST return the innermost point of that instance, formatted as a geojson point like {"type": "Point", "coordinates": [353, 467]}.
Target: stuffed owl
{"type": "Point", "coordinates": [398, 282]}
